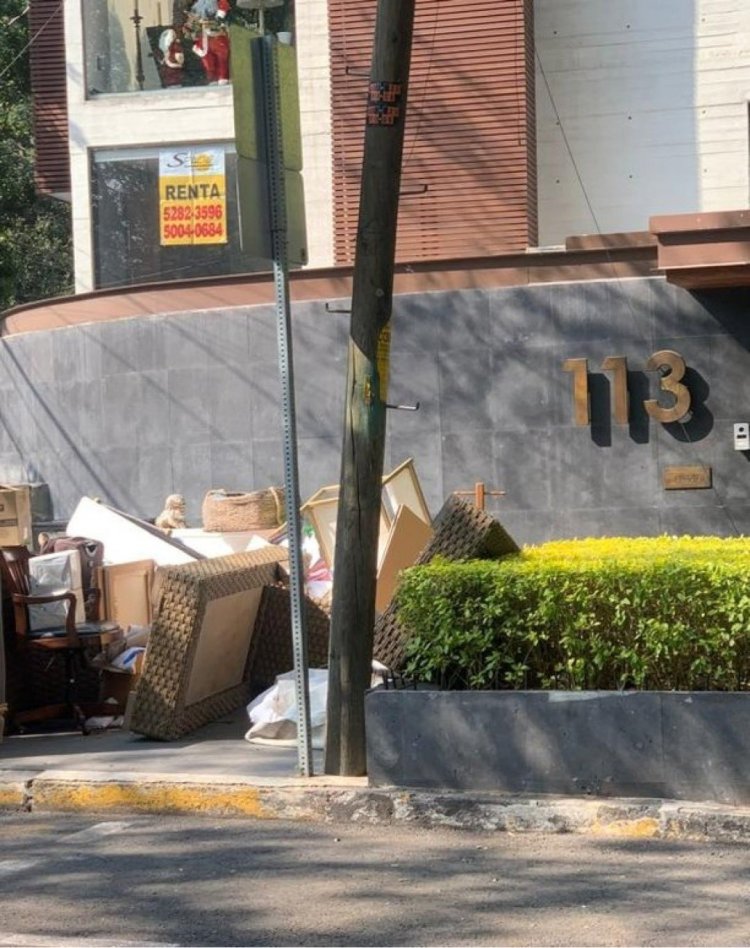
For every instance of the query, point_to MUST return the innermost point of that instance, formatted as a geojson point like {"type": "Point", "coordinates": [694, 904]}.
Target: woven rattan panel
{"type": "Point", "coordinates": [271, 648]}
{"type": "Point", "coordinates": [159, 709]}
{"type": "Point", "coordinates": [461, 532]}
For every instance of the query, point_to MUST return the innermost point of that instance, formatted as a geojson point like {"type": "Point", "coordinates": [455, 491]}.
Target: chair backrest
{"type": "Point", "coordinates": [14, 563]}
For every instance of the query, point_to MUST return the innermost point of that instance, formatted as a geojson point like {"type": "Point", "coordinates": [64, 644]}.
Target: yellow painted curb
{"type": "Point", "coordinates": [12, 796]}
{"type": "Point", "coordinates": [156, 797]}
{"type": "Point", "coordinates": [645, 827]}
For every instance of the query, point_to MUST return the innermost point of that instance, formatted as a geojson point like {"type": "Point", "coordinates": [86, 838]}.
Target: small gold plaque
{"type": "Point", "coordinates": [686, 478]}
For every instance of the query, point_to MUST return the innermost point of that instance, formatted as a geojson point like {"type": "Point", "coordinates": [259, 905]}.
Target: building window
{"type": "Point", "coordinates": [166, 213]}
{"type": "Point", "coordinates": [145, 45]}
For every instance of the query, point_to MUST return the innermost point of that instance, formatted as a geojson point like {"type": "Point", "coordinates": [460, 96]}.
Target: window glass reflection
{"type": "Point", "coordinates": [166, 213]}
{"type": "Point", "coordinates": [146, 45]}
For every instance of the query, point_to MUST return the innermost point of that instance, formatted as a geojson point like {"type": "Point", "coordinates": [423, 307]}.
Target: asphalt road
{"type": "Point", "coordinates": [144, 880]}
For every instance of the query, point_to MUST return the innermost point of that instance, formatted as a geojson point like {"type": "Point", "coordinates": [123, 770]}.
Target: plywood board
{"type": "Point", "coordinates": [223, 644]}
{"type": "Point", "coordinates": [323, 514]}
{"type": "Point", "coordinates": [402, 487]}
{"type": "Point", "coordinates": [125, 541]}
{"type": "Point", "coordinates": [127, 591]}
{"type": "Point", "coordinates": [408, 536]}
{"type": "Point", "coordinates": [323, 493]}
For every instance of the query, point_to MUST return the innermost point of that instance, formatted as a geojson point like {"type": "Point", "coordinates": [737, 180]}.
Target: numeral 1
{"type": "Point", "coordinates": [670, 364]}
{"type": "Point", "coordinates": [580, 370]}
{"type": "Point", "coordinates": [618, 366]}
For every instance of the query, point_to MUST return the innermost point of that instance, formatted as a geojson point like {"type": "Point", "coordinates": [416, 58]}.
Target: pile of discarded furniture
{"type": "Point", "coordinates": [166, 628]}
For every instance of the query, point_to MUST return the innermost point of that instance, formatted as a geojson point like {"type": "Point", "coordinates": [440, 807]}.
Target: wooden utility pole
{"type": "Point", "coordinates": [355, 562]}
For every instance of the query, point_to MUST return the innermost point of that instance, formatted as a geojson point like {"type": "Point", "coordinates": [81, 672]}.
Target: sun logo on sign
{"type": "Point", "coordinates": [203, 162]}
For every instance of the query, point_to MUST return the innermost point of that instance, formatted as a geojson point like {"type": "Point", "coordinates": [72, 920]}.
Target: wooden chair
{"type": "Point", "coordinates": [74, 642]}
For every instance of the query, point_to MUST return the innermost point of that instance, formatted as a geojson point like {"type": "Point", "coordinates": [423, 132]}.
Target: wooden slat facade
{"type": "Point", "coordinates": [470, 130]}
{"type": "Point", "coordinates": [48, 81]}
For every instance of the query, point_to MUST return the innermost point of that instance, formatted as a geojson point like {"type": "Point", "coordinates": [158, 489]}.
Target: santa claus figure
{"type": "Point", "coordinates": [172, 58]}
{"type": "Point", "coordinates": [211, 42]}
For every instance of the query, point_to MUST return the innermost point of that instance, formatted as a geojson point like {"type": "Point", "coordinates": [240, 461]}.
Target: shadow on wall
{"type": "Point", "coordinates": [597, 743]}
{"type": "Point", "coordinates": [136, 409]}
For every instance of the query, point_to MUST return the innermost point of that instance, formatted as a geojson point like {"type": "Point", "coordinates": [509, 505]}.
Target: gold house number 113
{"type": "Point", "coordinates": [670, 364]}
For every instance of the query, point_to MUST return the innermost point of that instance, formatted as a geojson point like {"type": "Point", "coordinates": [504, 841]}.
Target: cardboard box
{"type": "Point", "coordinates": [118, 684]}
{"type": "Point", "coordinates": [15, 515]}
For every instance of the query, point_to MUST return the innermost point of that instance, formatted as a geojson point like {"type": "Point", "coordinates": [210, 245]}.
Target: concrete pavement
{"type": "Point", "coordinates": [88, 880]}
{"type": "Point", "coordinates": [215, 771]}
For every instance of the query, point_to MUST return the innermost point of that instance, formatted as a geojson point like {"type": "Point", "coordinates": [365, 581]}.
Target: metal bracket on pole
{"type": "Point", "coordinates": [414, 407]}
{"type": "Point", "coordinates": [277, 202]}
{"type": "Point", "coordinates": [419, 189]}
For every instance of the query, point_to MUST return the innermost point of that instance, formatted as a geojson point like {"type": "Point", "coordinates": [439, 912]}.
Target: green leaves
{"type": "Point", "coordinates": [667, 614]}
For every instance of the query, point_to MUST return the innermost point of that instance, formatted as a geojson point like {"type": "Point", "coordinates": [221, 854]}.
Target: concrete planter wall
{"type": "Point", "coordinates": [678, 745]}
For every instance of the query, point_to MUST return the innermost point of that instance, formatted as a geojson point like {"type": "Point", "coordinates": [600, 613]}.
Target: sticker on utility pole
{"type": "Point", "coordinates": [383, 359]}
{"type": "Point", "coordinates": [384, 103]}
{"type": "Point", "coordinates": [192, 197]}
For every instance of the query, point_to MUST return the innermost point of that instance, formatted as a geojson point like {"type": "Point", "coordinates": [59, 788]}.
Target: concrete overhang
{"type": "Point", "coordinates": [599, 262]}
{"type": "Point", "coordinates": [704, 251]}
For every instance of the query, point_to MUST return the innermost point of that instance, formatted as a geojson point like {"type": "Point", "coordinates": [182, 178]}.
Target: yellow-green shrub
{"type": "Point", "coordinates": [666, 613]}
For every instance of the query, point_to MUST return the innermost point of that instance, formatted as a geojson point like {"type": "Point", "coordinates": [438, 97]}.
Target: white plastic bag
{"type": "Point", "coordinates": [273, 714]}
{"type": "Point", "coordinates": [55, 573]}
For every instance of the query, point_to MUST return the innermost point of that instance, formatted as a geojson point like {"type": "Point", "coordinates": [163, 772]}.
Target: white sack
{"type": "Point", "coordinates": [273, 714]}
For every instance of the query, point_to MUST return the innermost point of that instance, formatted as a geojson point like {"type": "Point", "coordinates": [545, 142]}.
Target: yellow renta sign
{"type": "Point", "coordinates": [192, 197]}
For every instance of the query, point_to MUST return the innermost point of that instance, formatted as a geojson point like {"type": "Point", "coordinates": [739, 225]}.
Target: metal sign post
{"type": "Point", "coordinates": [277, 202]}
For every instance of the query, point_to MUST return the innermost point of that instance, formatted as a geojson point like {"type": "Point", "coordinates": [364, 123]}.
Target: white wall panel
{"type": "Point", "coordinates": [653, 101]}
{"type": "Point", "coordinates": [315, 116]}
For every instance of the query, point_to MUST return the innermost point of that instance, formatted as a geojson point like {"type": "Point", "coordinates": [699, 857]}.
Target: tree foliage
{"type": "Point", "coordinates": [35, 243]}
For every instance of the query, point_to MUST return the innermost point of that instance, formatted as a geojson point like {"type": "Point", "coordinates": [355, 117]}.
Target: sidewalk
{"type": "Point", "coordinates": [215, 771]}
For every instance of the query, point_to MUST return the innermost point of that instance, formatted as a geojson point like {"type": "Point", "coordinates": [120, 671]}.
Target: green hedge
{"type": "Point", "coordinates": [666, 613]}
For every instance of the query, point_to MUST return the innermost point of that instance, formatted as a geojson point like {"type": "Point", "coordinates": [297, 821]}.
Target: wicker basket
{"type": "Point", "coordinates": [227, 512]}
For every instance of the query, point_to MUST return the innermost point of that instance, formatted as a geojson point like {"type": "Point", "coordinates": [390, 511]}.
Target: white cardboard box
{"type": "Point", "coordinates": [211, 543]}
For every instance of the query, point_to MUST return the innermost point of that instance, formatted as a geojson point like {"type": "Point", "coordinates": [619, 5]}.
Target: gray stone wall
{"type": "Point", "coordinates": [134, 409]}
{"type": "Point", "coordinates": [674, 745]}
